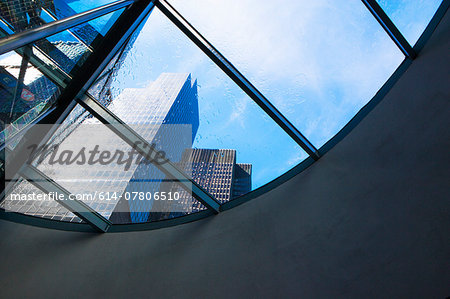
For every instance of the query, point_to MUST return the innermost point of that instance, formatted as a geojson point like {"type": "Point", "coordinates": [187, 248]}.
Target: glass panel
{"type": "Point", "coordinates": [64, 8]}
{"type": "Point", "coordinates": [411, 17]}
{"type": "Point", "coordinates": [100, 89]}
{"type": "Point", "coordinates": [20, 15]}
{"type": "Point", "coordinates": [63, 50]}
{"type": "Point", "coordinates": [87, 32]}
{"type": "Point", "coordinates": [164, 77]}
{"type": "Point", "coordinates": [25, 92]}
{"type": "Point", "coordinates": [318, 62]}
{"type": "Point", "coordinates": [122, 187]}
{"type": "Point", "coordinates": [70, 48]}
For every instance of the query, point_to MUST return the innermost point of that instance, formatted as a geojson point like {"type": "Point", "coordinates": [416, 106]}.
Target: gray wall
{"type": "Point", "coordinates": [370, 219]}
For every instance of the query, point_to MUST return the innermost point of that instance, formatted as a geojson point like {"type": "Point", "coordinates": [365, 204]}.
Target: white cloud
{"type": "Point", "coordinates": [300, 53]}
{"type": "Point", "coordinates": [238, 112]}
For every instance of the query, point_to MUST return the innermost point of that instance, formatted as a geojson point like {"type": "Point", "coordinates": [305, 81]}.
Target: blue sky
{"type": "Point", "coordinates": [411, 17]}
{"type": "Point", "coordinates": [318, 61]}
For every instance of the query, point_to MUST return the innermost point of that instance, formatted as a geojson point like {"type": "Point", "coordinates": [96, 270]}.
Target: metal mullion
{"type": "Point", "coordinates": [144, 148]}
{"type": "Point", "coordinates": [79, 208]}
{"type": "Point", "coordinates": [29, 36]}
{"type": "Point", "coordinates": [74, 34]}
{"type": "Point", "coordinates": [390, 28]}
{"type": "Point", "coordinates": [237, 77]}
{"type": "Point", "coordinates": [54, 73]}
{"type": "Point", "coordinates": [20, 78]}
{"type": "Point", "coordinates": [127, 23]}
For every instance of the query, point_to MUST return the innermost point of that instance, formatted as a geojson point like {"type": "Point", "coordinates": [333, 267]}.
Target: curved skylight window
{"type": "Point", "coordinates": [318, 62]}
{"type": "Point", "coordinates": [209, 100]}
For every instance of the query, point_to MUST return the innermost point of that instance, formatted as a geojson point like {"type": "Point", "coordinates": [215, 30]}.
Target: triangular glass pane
{"type": "Point", "coordinates": [318, 62]}
{"type": "Point", "coordinates": [70, 48]}
{"type": "Point", "coordinates": [410, 16]}
{"type": "Point", "coordinates": [236, 146]}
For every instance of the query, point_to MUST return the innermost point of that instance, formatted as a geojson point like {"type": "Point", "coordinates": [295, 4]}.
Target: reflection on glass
{"type": "Point", "coordinates": [31, 76]}
{"type": "Point", "coordinates": [70, 48]}
{"type": "Point", "coordinates": [100, 169]}
{"type": "Point", "coordinates": [25, 93]}
{"type": "Point", "coordinates": [63, 7]}
{"type": "Point", "coordinates": [65, 51]}
{"type": "Point", "coordinates": [318, 62]}
{"type": "Point", "coordinates": [17, 16]}
{"type": "Point", "coordinates": [411, 17]}
{"type": "Point", "coordinates": [229, 128]}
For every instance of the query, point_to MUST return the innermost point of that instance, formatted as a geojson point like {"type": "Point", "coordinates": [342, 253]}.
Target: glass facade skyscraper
{"type": "Point", "coordinates": [164, 113]}
{"type": "Point", "coordinates": [217, 172]}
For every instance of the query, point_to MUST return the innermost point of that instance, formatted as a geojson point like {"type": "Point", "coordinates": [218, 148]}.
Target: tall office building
{"type": "Point", "coordinates": [216, 171]}
{"type": "Point", "coordinates": [164, 113]}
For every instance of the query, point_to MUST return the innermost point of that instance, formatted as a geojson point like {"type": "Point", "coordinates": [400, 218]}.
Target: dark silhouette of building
{"type": "Point", "coordinates": [216, 171]}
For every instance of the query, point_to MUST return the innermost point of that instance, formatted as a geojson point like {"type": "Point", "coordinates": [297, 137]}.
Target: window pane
{"type": "Point", "coordinates": [318, 62]}
{"type": "Point", "coordinates": [411, 17]}
{"type": "Point", "coordinates": [70, 48]}
{"type": "Point", "coordinates": [163, 66]}
{"type": "Point", "coordinates": [122, 187]}
{"type": "Point", "coordinates": [32, 77]}
{"type": "Point", "coordinates": [20, 15]}
{"type": "Point", "coordinates": [25, 92]}
{"type": "Point", "coordinates": [63, 7]}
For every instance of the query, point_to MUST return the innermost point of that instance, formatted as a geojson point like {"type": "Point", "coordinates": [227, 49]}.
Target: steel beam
{"type": "Point", "coordinates": [79, 208]}
{"type": "Point", "coordinates": [390, 28]}
{"type": "Point", "coordinates": [145, 149]}
{"type": "Point", "coordinates": [29, 36]}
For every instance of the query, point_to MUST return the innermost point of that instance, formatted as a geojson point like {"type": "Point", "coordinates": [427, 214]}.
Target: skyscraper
{"type": "Point", "coordinates": [156, 113]}
{"type": "Point", "coordinates": [242, 179]}
{"type": "Point", "coordinates": [164, 113]}
{"type": "Point", "coordinates": [216, 171]}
